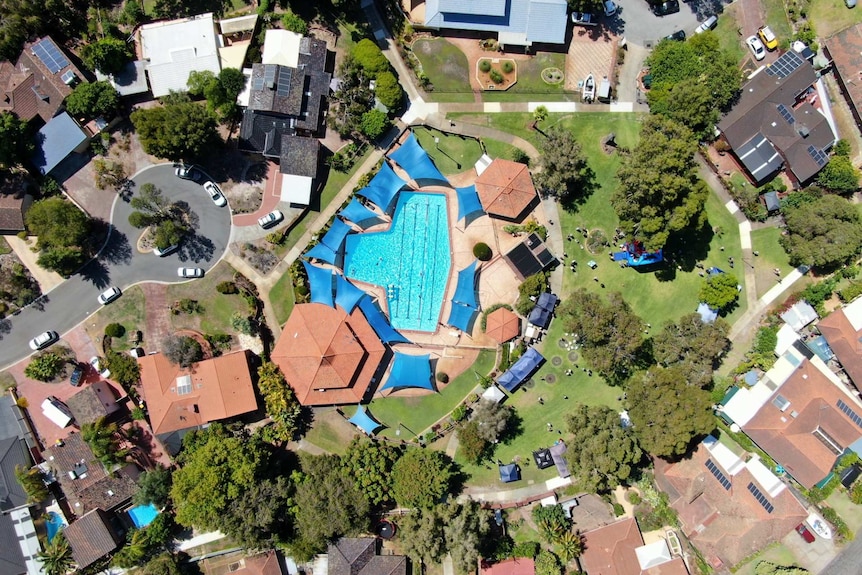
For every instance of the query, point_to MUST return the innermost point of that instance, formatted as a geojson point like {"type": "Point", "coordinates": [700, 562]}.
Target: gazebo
{"type": "Point", "coordinates": [502, 325]}
{"type": "Point", "coordinates": [509, 473]}
{"type": "Point", "coordinates": [506, 190]}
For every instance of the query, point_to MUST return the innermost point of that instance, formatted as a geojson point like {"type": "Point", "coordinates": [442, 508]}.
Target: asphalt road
{"type": "Point", "coordinates": [639, 25]}
{"type": "Point", "coordinates": [847, 562]}
{"type": "Point", "coordinates": [121, 264]}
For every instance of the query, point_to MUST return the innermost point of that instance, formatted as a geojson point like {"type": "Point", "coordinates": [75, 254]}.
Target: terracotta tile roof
{"type": "Point", "coordinates": [213, 389]}
{"type": "Point", "coordinates": [514, 566]}
{"type": "Point", "coordinates": [328, 357]}
{"type": "Point", "coordinates": [610, 550]}
{"type": "Point", "coordinates": [502, 325]}
{"type": "Point", "coordinates": [845, 342]}
{"type": "Point", "coordinates": [506, 189]}
{"type": "Point", "coordinates": [845, 50]}
{"type": "Point", "coordinates": [793, 440]}
{"type": "Point", "coordinates": [358, 556]}
{"type": "Point", "coordinates": [725, 525]}
{"type": "Point", "coordinates": [262, 564]}
{"type": "Point", "coordinates": [91, 538]}
{"type": "Point", "coordinates": [14, 201]}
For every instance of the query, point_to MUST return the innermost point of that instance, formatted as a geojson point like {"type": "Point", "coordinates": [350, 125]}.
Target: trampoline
{"type": "Point", "coordinates": [416, 162]}
{"type": "Point", "coordinates": [386, 529]}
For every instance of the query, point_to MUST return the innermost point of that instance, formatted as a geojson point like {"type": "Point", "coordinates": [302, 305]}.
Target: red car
{"type": "Point", "coordinates": [805, 533]}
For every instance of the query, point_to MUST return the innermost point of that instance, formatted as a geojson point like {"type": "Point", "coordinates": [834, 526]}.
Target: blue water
{"type": "Point", "coordinates": [143, 515]}
{"type": "Point", "coordinates": [54, 524]}
{"type": "Point", "coordinates": [411, 260]}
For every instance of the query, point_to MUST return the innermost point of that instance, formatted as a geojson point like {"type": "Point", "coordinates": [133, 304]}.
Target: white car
{"type": "Point", "coordinates": [270, 219]}
{"type": "Point", "coordinates": [43, 340]}
{"type": "Point", "coordinates": [757, 48]}
{"type": "Point", "coordinates": [188, 173]}
{"type": "Point", "coordinates": [190, 272]}
{"type": "Point", "coordinates": [137, 352]}
{"type": "Point", "coordinates": [708, 24]}
{"type": "Point", "coordinates": [167, 251]}
{"type": "Point", "coordinates": [215, 193]}
{"type": "Point", "coordinates": [97, 365]}
{"type": "Point", "coordinates": [109, 295]}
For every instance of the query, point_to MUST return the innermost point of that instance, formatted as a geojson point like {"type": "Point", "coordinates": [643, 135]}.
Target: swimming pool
{"type": "Point", "coordinates": [410, 260]}
{"type": "Point", "coordinates": [143, 515]}
{"type": "Point", "coordinates": [54, 524]}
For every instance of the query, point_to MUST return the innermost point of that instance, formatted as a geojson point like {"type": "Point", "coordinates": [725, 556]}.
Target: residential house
{"type": "Point", "coordinates": [776, 124]}
{"type": "Point", "coordinates": [14, 202]}
{"type": "Point", "coordinates": [843, 332]}
{"type": "Point", "coordinates": [93, 402]}
{"type": "Point", "coordinates": [514, 22]}
{"type": "Point", "coordinates": [284, 114]}
{"type": "Point", "coordinates": [130, 81]}
{"type": "Point", "coordinates": [91, 537]}
{"type": "Point", "coordinates": [57, 140]}
{"type": "Point", "coordinates": [13, 453]}
{"type": "Point", "coordinates": [618, 549]}
{"type": "Point", "coordinates": [727, 507]}
{"type": "Point", "coordinates": [359, 556]}
{"type": "Point", "coordinates": [512, 566]}
{"type": "Point", "coordinates": [181, 398]}
{"type": "Point", "coordinates": [845, 51]}
{"type": "Point", "coordinates": [267, 563]}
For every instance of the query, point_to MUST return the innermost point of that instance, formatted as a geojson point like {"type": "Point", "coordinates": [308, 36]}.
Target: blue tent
{"type": "Point", "coordinates": [714, 271]}
{"type": "Point", "coordinates": [707, 314]}
{"type": "Point", "coordinates": [462, 316]}
{"type": "Point", "coordinates": [544, 310]}
{"type": "Point", "coordinates": [413, 159]}
{"type": "Point", "coordinates": [383, 187]}
{"type": "Point", "coordinates": [379, 323]}
{"type": "Point", "coordinates": [521, 370]}
{"type": "Point", "coordinates": [468, 202]}
{"type": "Point", "coordinates": [334, 238]}
{"type": "Point", "coordinates": [364, 421]}
{"type": "Point", "coordinates": [323, 253]}
{"type": "Point", "coordinates": [509, 473]}
{"type": "Point", "coordinates": [347, 295]}
{"type": "Point", "coordinates": [356, 212]}
{"type": "Point", "coordinates": [465, 291]}
{"type": "Point", "coordinates": [409, 371]}
{"type": "Point", "coordinates": [320, 284]}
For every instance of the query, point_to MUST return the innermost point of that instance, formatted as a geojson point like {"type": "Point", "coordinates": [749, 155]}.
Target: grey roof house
{"type": "Point", "coordinates": [56, 141]}
{"type": "Point", "coordinates": [91, 537]}
{"type": "Point", "coordinates": [13, 452]}
{"type": "Point", "coordinates": [358, 556]}
{"type": "Point", "coordinates": [775, 123]}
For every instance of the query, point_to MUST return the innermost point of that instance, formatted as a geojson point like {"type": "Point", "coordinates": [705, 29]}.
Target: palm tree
{"type": "Point", "coordinates": [104, 440]}
{"type": "Point", "coordinates": [57, 557]}
{"type": "Point", "coordinates": [570, 545]}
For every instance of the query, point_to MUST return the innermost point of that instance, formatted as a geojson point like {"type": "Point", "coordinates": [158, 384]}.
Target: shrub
{"type": "Point", "coordinates": [485, 66]}
{"type": "Point", "coordinates": [115, 330]}
{"type": "Point", "coordinates": [520, 156]}
{"type": "Point", "coordinates": [525, 549]}
{"type": "Point", "coordinates": [45, 367]}
{"type": "Point", "coordinates": [618, 510]}
{"type": "Point", "coordinates": [241, 323]}
{"type": "Point", "coordinates": [482, 252]}
{"type": "Point", "coordinates": [442, 377]}
{"type": "Point", "coordinates": [22, 235]}
{"type": "Point", "coordinates": [633, 497]}
{"type": "Point", "coordinates": [496, 77]}
{"type": "Point", "coordinates": [138, 414]}
{"type": "Point", "coordinates": [460, 413]}
{"type": "Point", "coordinates": [508, 67]}
{"type": "Point", "coordinates": [851, 292]}
{"type": "Point", "coordinates": [227, 288]}
{"type": "Point", "coordinates": [275, 238]}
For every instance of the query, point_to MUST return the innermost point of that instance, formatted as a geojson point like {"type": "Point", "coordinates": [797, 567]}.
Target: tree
{"type": "Point", "coordinates": [374, 124]}
{"type": "Point", "coordinates": [388, 90]}
{"type": "Point", "coordinates": [182, 350]}
{"type": "Point", "coordinates": [290, 21]}
{"type": "Point", "coordinates": [93, 100]}
{"type": "Point", "coordinates": [425, 543]}
{"type": "Point", "coordinates": [667, 412]}
{"type": "Point", "coordinates": [57, 557]}
{"type": "Point", "coordinates": [64, 261]}
{"type": "Point", "coordinates": [352, 99]}
{"type": "Point", "coordinates": [529, 289]}
{"type": "Point", "coordinates": [232, 82]}
{"type": "Point", "coordinates": [45, 367]}
{"type": "Point", "coordinates": [824, 233]}
{"type": "Point", "coordinates": [369, 57]}
{"type": "Point", "coordinates": [154, 486]}
{"type": "Point", "coordinates": [57, 223]}
{"type": "Point", "coordinates": [551, 521]}
{"type": "Point", "coordinates": [32, 482]}
{"type": "Point", "coordinates": [719, 291]}
{"type": "Point", "coordinates": [16, 145]}
{"type": "Point", "coordinates": [164, 564]}
{"type": "Point", "coordinates": [280, 400]}
{"type": "Point", "coordinates": [473, 447]}
{"type": "Point", "coordinates": [570, 545]}
{"type": "Point", "coordinates": [421, 477]}
{"type": "Point", "coordinates": [610, 333]}
{"type": "Point", "coordinates": [185, 8]}
{"type": "Point", "coordinates": [602, 453]}
{"type": "Point", "coordinates": [565, 173]}
{"type": "Point", "coordinates": [217, 467]}
{"type": "Point", "coordinates": [540, 114]}
{"type": "Point", "coordinates": [124, 368]}
{"type": "Point", "coordinates": [370, 464]}
{"type": "Point", "coordinates": [464, 528]}
{"type": "Point", "coordinates": [261, 517]}
{"type": "Point", "coordinates": [839, 175]}
{"type": "Point", "coordinates": [487, 425]}
{"type": "Point", "coordinates": [199, 81]}
{"type": "Point", "coordinates": [151, 201]}
{"type": "Point", "coordinates": [547, 563]}
{"type": "Point", "coordinates": [104, 440]}
{"type": "Point", "coordinates": [659, 191]}
{"type": "Point", "coordinates": [107, 55]}
{"type": "Point", "coordinates": [692, 345]}
{"type": "Point", "coordinates": [182, 131]}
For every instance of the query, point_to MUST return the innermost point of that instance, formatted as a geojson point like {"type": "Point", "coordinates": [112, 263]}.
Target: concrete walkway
{"type": "Point", "coordinates": [199, 540]}
{"type": "Point", "coordinates": [47, 280]}
{"type": "Point", "coordinates": [513, 497]}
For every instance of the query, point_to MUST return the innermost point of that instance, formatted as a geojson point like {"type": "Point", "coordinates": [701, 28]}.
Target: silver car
{"type": "Point", "coordinates": [215, 193]}
{"type": "Point", "coordinates": [270, 219]}
{"type": "Point", "coordinates": [190, 272]}
{"type": "Point", "coordinates": [43, 340]}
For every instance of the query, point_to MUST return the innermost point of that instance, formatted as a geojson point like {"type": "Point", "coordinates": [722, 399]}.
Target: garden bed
{"type": "Point", "coordinates": [496, 73]}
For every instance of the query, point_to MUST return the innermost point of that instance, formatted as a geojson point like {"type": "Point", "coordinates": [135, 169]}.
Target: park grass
{"type": "Point", "coordinates": [129, 310]}
{"type": "Point", "coordinates": [331, 432]}
{"type": "Point", "coordinates": [497, 149]}
{"type": "Point", "coordinates": [832, 16]}
{"type": "Point", "coordinates": [218, 308]}
{"type": "Point", "coordinates": [772, 255]}
{"type": "Point", "coordinates": [453, 154]}
{"type": "Point", "coordinates": [445, 65]}
{"type": "Point", "coordinates": [418, 414]}
{"type": "Point", "coordinates": [727, 33]}
{"type": "Point", "coordinates": [779, 554]}
{"type": "Point", "coordinates": [530, 79]}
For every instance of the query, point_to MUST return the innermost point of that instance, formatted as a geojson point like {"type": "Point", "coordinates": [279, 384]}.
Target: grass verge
{"type": "Point", "coordinates": [218, 308]}
{"type": "Point", "coordinates": [451, 154]}
{"type": "Point", "coordinates": [129, 311]}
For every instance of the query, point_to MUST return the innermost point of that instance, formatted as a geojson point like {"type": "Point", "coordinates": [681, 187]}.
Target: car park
{"type": "Point", "coordinates": [665, 8]}
{"type": "Point", "coordinates": [805, 533]}
{"type": "Point", "coordinates": [77, 376]}
{"type": "Point", "coordinates": [756, 46]}
{"type": "Point", "coordinates": [97, 365]}
{"type": "Point", "coordinates": [270, 219]}
{"type": "Point", "coordinates": [768, 37]}
{"type": "Point", "coordinates": [678, 36]}
{"type": "Point", "coordinates": [167, 251]}
{"type": "Point", "coordinates": [190, 272]}
{"type": "Point", "coordinates": [215, 193]}
{"type": "Point", "coordinates": [610, 8]}
{"type": "Point", "coordinates": [188, 173]}
{"type": "Point", "coordinates": [708, 24]}
{"type": "Point", "coordinates": [109, 295]}
{"type": "Point", "coordinates": [43, 340]}
{"type": "Point", "coordinates": [584, 19]}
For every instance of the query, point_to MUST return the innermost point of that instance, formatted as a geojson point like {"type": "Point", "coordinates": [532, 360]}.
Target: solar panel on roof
{"type": "Point", "coordinates": [761, 498]}
{"type": "Point", "coordinates": [819, 156]}
{"type": "Point", "coordinates": [785, 65]}
{"type": "Point", "coordinates": [716, 472]}
{"type": "Point", "coordinates": [269, 75]}
{"type": "Point", "coordinates": [50, 55]}
{"type": "Point", "coordinates": [284, 75]}
{"type": "Point", "coordinates": [849, 412]}
{"type": "Point", "coordinates": [785, 113]}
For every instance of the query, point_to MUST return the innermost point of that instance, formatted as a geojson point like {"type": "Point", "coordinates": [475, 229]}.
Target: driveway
{"type": "Point", "coordinates": [636, 22]}
{"type": "Point", "coordinates": [121, 264]}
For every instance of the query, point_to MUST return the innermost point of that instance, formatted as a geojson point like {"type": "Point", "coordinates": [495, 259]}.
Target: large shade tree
{"type": "Point", "coordinates": [565, 173]}
{"type": "Point", "coordinates": [108, 55]}
{"type": "Point", "coordinates": [370, 465]}
{"type": "Point", "coordinates": [16, 145]}
{"type": "Point", "coordinates": [62, 231]}
{"type": "Point", "coordinates": [280, 401]}
{"type": "Point", "coordinates": [692, 345]}
{"type": "Point", "coordinates": [823, 233]}
{"type": "Point", "coordinates": [262, 516]}
{"type": "Point", "coordinates": [421, 477]}
{"type": "Point", "coordinates": [92, 100]}
{"type": "Point", "coordinates": [181, 131]}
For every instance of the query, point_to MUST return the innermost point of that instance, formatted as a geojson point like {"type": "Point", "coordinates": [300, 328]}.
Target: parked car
{"type": "Point", "coordinates": [708, 24]}
{"type": "Point", "coordinates": [167, 251]}
{"type": "Point", "coordinates": [188, 173]}
{"type": "Point", "coordinates": [109, 295]}
{"type": "Point", "coordinates": [665, 8]}
{"type": "Point", "coordinates": [137, 352]}
{"type": "Point", "coordinates": [768, 38]}
{"type": "Point", "coordinates": [756, 46]}
{"type": "Point", "coordinates": [584, 19]}
{"type": "Point", "coordinates": [77, 376]}
{"type": "Point", "coordinates": [270, 219]}
{"type": "Point", "coordinates": [850, 3]}
{"type": "Point", "coordinates": [805, 533]}
{"type": "Point", "coordinates": [43, 340]}
{"type": "Point", "coordinates": [215, 193]}
{"type": "Point", "coordinates": [679, 36]}
{"type": "Point", "coordinates": [190, 272]}
{"type": "Point", "coordinates": [610, 8]}
{"type": "Point", "coordinates": [97, 365]}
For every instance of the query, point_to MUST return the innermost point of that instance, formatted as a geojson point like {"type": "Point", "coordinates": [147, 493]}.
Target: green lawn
{"type": "Point", "coordinates": [129, 311]}
{"type": "Point", "coordinates": [281, 298]}
{"type": "Point", "coordinates": [727, 32]}
{"type": "Point", "coordinates": [778, 554]}
{"type": "Point", "coordinates": [771, 255]}
{"type": "Point", "coordinates": [444, 64]}
{"type": "Point", "coordinates": [777, 19]}
{"type": "Point", "coordinates": [831, 16]}
{"type": "Point", "coordinates": [530, 80]}
{"type": "Point", "coordinates": [453, 154]}
{"type": "Point", "coordinates": [498, 149]}
{"type": "Point", "coordinates": [218, 307]}
{"type": "Point", "coordinates": [417, 414]}
{"type": "Point", "coordinates": [4, 247]}
{"type": "Point", "coordinates": [847, 510]}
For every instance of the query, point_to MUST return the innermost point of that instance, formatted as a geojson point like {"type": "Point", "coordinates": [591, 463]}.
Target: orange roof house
{"type": "Point", "coordinates": [843, 331]}
{"type": "Point", "coordinates": [506, 189]}
{"type": "Point", "coordinates": [613, 550]}
{"type": "Point", "coordinates": [328, 356]}
{"type": "Point", "coordinates": [181, 398]}
{"type": "Point", "coordinates": [513, 566]}
{"type": "Point", "coordinates": [502, 324]}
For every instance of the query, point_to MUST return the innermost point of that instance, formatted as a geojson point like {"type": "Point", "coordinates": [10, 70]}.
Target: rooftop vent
{"type": "Point", "coordinates": [803, 131]}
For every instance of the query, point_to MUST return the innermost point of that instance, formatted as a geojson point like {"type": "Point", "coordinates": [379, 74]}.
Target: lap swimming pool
{"type": "Point", "coordinates": [411, 260]}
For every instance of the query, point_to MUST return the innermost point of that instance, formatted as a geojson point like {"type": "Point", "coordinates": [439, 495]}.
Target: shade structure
{"type": "Point", "coordinates": [541, 314]}
{"type": "Point", "coordinates": [322, 253]}
{"type": "Point", "coordinates": [356, 212]}
{"type": "Point", "coordinates": [558, 453]}
{"type": "Point", "coordinates": [461, 317]}
{"type": "Point", "coordinates": [510, 473]}
{"type": "Point", "coordinates": [415, 161]}
{"type": "Point", "coordinates": [334, 237]}
{"type": "Point", "coordinates": [409, 371]}
{"type": "Point", "coordinates": [502, 324]}
{"type": "Point", "coordinates": [493, 393]}
{"type": "Point", "coordinates": [465, 291]}
{"type": "Point", "coordinates": [319, 283]}
{"type": "Point", "coordinates": [543, 458]}
{"type": "Point", "coordinates": [521, 370]}
{"type": "Point", "coordinates": [383, 187]}
{"type": "Point", "coordinates": [468, 201]}
{"type": "Point", "coordinates": [506, 189]}
{"type": "Point", "coordinates": [347, 295]}
{"type": "Point", "coordinates": [363, 420]}
{"type": "Point", "coordinates": [379, 323]}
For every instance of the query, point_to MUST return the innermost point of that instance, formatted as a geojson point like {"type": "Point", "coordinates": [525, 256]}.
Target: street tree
{"type": "Point", "coordinates": [719, 291]}
{"type": "Point", "coordinates": [154, 487]}
{"type": "Point", "coordinates": [262, 517]}
{"type": "Point", "coordinates": [57, 223]}
{"type": "Point", "coordinates": [565, 173]}
{"type": "Point", "coordinates": [182, 131]}
{"type": "Point", "coordinates": [16, 145]}
{"type": "Point", "coordinates": [182, 350]}
{"type": "Point", "coordinates": [667, 412]}
{"type": "Point", "coordinates": [369, 463]}
{"type": "Point", "coordinates": [108, 55]}
{"type": "Point", "coordinates": [602, 453]}
{"type": "Point", "coordinates": [693, 346]}
{"type": "Point", "coordinates": [839, 175]}
{"type": "Point", "coordinates": [280, 401]}
{"type": "Point", "coordinates": [421, 477]}
{"type": "Point", "coordinates": [124, 368]}
{"type": "Point", "coordinates": [660, 192]}
{"type": "Point", "coordinates": [823, 233]}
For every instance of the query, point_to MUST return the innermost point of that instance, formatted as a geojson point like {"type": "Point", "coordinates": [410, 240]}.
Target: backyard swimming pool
{"type": "Point", "coordinates": [410, 260]}
{"type": "Point", "coordinates": [54, 524]}
{"type": "Point", "coordinates": [143, 515]}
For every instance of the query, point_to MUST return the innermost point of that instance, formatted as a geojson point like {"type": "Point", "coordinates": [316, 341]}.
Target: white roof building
{"type": "Point", "coordinates": [177, 48]}
{"type": "Point", "coordinates": [281, 47]}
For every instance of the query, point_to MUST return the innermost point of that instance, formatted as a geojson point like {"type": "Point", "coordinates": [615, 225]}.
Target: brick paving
{"type": "Point", "coordinates": [271, 198]}
{"type": "Point", "coordinates": [592, 51]}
